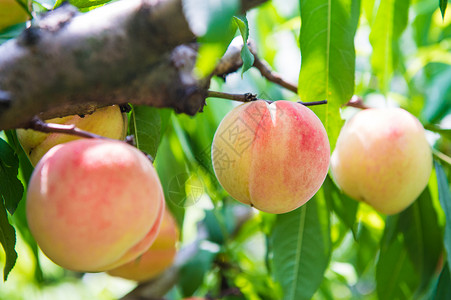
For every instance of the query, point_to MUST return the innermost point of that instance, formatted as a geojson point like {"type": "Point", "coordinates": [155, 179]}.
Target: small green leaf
{"type": "Point", "coordinates": [328, 58]}
{"type": "Point", "coordinates": [301, 247]}
{"type": "Point", "coordinates": [444, 196]}
{"type": "Point", "coordinates": [443, 4]}
{"type": "Point", "coordinates": [82, 4]}
{"type": "Point", "coordinates": [11, 188]}
{"type": "Point", "coordinates": [246, 55]}
{"type": "Point", "coordinates": [8, 241]}
{"type": "Point", "coordinates": [147, 125]}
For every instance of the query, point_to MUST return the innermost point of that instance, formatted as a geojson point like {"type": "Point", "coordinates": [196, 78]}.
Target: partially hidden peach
{"type": "Point", "coordinates": [11, 13]}
{"type": "Point", "coordinates": [106, 121]}
{"type": "Point", "coordinates": [382, 158]}
{"type": "Point", "coordinates": [158, 258]}
{"type": "Point", "coordinates": [274, 156]}
{"type": "Point", "coordinates": [94, 204]}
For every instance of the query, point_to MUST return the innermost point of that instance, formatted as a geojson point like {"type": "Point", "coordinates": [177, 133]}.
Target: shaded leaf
{"type": "Point", "coordinates": [301, 246]}
{"type": "Point", "coordinates": [147, 124]}
{"type": "Point", "coordinates": [341, 204]}
{"type": "Point", "coordinates": [395, 275]}
{"type": "Point", "coordinates": [193, 272]}
{"type": "Point", "coordinates": [8, 241]}
{"type": "Point", "coordinates": [443, 289]}
{"type": "Point", "coordinates": [328, 58]}
{"type": "Point", "coordinates": [246, 55]}
{"type": "Point", "coordinates": [444, 196]}
{"type": "Point", "coordinates": [438, 94]}
{"type": "Point", "coordinates": [11, 188]}
{"type": "Point", "coordinates": [422, 238]}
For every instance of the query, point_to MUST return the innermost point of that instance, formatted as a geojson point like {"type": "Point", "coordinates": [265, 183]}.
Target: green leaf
{"type": "Point", "coordinates": [438, 94]}
{"type": "Point", "coordinates": [83, 4]}
{"type": "Point", "coordinates": [328, 58]}
{"type": "Point", "coordinates": [193, 272]}
{"type": "Point", "coordinates": [246, 55]}
{"type": "Point", "coordinates": [422, 238]}
{"type": "Point", "coordinates": [443, 288]}
{"type": "Point", "coordinates": [341, 204]}
{"type": "Point", "coordinates": [391, 20]}
{"type": "Point", "coordinates": [147, 124]}
{"type": "Point", "coordinates": [301, 248]}
{"type": "Point", "coordinates": [444, 196]}
{"type": "Point", "coordinates": [395, 275]}
{"type": "Point", "coordinates": [8, 241]}
{"type": "Point", "coordinates": [442, 5]}
{"type": "Point", "coordinates": [11, 188]}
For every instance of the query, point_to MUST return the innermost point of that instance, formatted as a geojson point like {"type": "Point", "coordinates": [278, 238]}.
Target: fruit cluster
{"type": "Point", "coordinates": [98, 205]}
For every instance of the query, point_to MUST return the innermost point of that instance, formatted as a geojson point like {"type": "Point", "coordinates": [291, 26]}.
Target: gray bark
{"type": "Point", "coordinates": [130, 51]}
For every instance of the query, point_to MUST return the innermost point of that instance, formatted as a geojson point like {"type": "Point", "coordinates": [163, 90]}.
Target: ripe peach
{"type": "Point", "coordinates": [274, 156]}
{"type": "Point", "coordinates": [157, 258]}
{"type": "Point", "coordinates": [382, 158]}
{"type": "Point", "coordinates": [106, 121]}
{"type": "Point", "coordinates": [11, 13]}
{"type": "Point", "coordinates": [93, 204]}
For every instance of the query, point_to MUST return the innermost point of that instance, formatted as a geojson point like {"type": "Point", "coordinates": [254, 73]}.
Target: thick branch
{"type": "Point", "coordinates": [127, 51]}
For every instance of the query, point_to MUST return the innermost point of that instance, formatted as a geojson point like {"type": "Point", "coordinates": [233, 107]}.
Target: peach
{"type": "Point", "coordinates": [274, 156]}
{"type": "Point", "coordinates": [94, 204]}
{"type": "Point", "coordinates": [157, 258]}
{"type": "Point", "coordinates": [382, 158]}
{"type": "Point", "coordinates": [11, 13]}
{"type": "Point", "coordinates": [106, 121]}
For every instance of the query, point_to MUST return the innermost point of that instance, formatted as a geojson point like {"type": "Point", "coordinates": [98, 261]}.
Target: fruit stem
{"type": "Point", "coordinates": [313, 103]}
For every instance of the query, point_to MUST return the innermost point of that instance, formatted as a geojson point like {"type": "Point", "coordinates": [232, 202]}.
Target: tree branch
{"type": "Point", "coordinates": [126, 51]}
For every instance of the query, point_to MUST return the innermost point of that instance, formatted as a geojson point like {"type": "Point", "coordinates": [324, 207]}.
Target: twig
{"type": "Point", "coordinates": [313, 103]}
{"type": "Point", "coordinates": [356, 102]}
{"type": "Point", "coordinates": [39, 125]}
{"type": "Point", "coordinates": [247, 97]}
{"type": "Point", "coordinates": [272, 76]}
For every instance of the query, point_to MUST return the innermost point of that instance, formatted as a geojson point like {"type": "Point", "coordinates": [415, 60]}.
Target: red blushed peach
{"type": "Point", "coordinates": [155, 260]}
{"type": "Point", "coordinates": [382, 158]}
{"type": "Point", "coordinates": [274, 156]}
{"type": "Point", "coordinates": [93, 205]}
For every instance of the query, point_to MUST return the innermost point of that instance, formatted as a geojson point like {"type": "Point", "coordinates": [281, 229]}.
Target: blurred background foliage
{"type": "Point", "coordinates": [331, 248]}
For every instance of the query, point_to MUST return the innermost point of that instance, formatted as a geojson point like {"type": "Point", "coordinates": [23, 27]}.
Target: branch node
{"type": "Point", "coordinates": [357, 102]}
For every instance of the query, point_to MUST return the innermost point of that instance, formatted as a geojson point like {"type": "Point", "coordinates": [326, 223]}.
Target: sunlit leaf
{"type": "Point", "coordinates": [328, 58]}
{"type": "Point", "coordinates": [83, 4]}
{"type": "Point", "coordinates": [301, 246]}
{"type": "Point", "coordinates": [443, 4]}
{"type": "Point", "coordinates": [246, 55]}
{"type": "Point", "coordinates": [391, 20]}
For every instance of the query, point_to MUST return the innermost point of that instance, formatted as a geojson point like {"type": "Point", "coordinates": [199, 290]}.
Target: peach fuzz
{"type": "Point", "coordinates": [382, 158]}
{"type": "Point", "coordinates": [158, 258]}
{"type": "Point", "coordinates": [274, 156]}
{"type": "Point", "coordinates": [93, 204]}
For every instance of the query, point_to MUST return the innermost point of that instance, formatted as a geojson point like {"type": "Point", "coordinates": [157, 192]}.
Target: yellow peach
{"type": "Point", "coordinates": [274, 156]}
{"type": "Point", "coordinates": [93, 204]}
{"type": "Point", "coordinates": [157, 258]}
{"type": "Point", "coordinates": [107, 121]}
{"type": "Point", "coordinates": [382, 158]}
